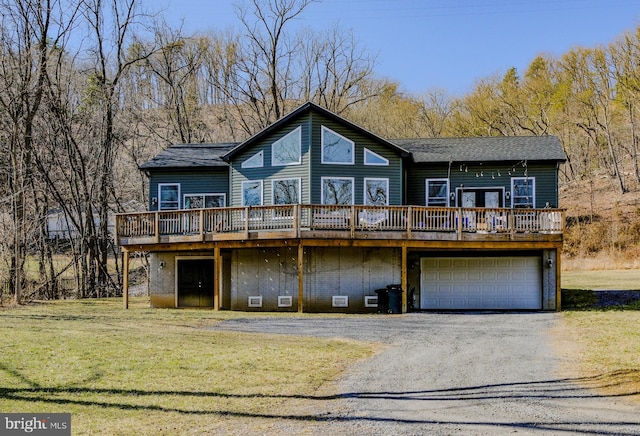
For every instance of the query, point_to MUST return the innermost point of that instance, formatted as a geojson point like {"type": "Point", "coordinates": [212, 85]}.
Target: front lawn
{"type": "Point", "coordinates": [607, 349]}
{"type": "Point", "coordinates": [155, 371]}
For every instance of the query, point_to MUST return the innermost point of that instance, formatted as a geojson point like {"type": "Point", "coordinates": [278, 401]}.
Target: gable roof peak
{"type": "Point", "coordinates": [304, 108]}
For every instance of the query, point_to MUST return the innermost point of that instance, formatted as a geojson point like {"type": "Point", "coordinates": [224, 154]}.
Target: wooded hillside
{"type": "Point", "coordinates": [90, 90]}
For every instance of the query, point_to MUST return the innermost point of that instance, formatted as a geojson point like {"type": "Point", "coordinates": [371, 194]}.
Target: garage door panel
{"type": "Point", "coordinates": [481, 283]}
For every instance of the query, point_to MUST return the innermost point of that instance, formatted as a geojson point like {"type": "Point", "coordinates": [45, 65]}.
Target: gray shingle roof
{"type": "Point", "coordinates": [484, 149]}
{"type": "Point", "coordinates": [181, 156]}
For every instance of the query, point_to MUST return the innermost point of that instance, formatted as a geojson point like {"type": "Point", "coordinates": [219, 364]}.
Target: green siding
{"type": "Point", "coordinates": [484, 176]}
{"type": "Point", "coordinates": [359, 171]}
{"type": "Point", "coordinates": [311, 170]}
{"type": "Point", "coordinates": [213, 181]}
{"type": "Point", "coordinates": [268, 173]}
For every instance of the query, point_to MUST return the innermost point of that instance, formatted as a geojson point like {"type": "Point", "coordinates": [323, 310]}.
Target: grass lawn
{"type": "Point", "coordinates": [154, 371]}
{"type": "Point", "coordinates": [618, 280]}
{"type": "Point", "coordinates": [608, 348]}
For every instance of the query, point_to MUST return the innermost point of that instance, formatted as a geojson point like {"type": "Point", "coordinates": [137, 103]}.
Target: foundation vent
{"type": "Point", "coordinates": [340, 301]}
{"type": "Point", "coordinates": [371, 301]}
{"type": "Point", "coordinates": [285, 301]}
{"type": "Point", "coordinates": [255, 301]}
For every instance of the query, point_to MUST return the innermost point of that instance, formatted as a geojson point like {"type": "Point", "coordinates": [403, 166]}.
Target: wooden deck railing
{"type": "Point", "coordinates": [355, 218]}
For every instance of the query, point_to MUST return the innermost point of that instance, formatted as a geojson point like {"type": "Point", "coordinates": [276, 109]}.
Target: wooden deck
{"type": "Point", "coordinates": [402, 224]}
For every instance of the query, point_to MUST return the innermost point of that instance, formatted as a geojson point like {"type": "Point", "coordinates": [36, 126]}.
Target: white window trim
{"type": "Point", "coordinates": [259, 158]}
{"type": "Point", "coordinates": [367, 152]}
{"type": "Point", "coordinates": [162, 185]}
{"type": "Point", "coordinates": [364, 192]}
{"type": "Point", "coordinates": [426, 193]}
{"type": "Point", "coordinates": [337, 178]}
{"type": "Point", "coordinates": [298, 133]}
{"type": "Point", "coordinates": [353, 147]}
{"type": "Point", "coordinates": [223, 195]}
{"type": "Point", "coordinates": [261, 191]}
{"type": "Point", "coordinates": [273, 190]}
{"type": "Point", "coordinates": [532, 182]}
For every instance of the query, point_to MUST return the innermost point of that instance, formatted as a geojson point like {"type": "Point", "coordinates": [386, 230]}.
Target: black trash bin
{"type": "Point", "coordinates": [383, 300]}
{"type": "Point", "coordinates": [394, 302]}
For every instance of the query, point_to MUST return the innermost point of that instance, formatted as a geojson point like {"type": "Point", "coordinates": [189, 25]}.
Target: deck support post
{"type": "Point", "coordinates": [125, 277]}
{"type": "Point", "coordinates": [217, 268]}
{"type": "Point", "coordinates": [558, 281]}
{"type": "Point", "coordinates": [403, 278]}
{"type": "Point", "coordinates": [300, 277]}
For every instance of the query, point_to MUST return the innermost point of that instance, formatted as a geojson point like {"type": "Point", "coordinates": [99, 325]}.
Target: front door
{"type": "Point", "coordinates": [195, 282]}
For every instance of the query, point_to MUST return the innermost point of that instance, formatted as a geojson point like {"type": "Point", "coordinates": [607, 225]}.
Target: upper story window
{"type": "Point", "coordinates": [337, 190]}
{"type": "Point", "coordinates": [523, 191]}
{"type": "Point", "coordinates": [336, 149]}
{"type": "Point", "coordinates": [376, 192]}
{"type": "Point", "coordinates": [169, 194]}
{"type": "Point", "coordinates": [201, 201]}
{"type": "Point", "coordinates": [286, 191]}
{"type": "Point", "coordinates": [255, 161]}
{"type": "Point", "coordinates": [287, 150]}
{"type": "Point", "coordinates": [371, 158]}
{"type": "Point", "coordinates": [252, 193]}
{"type": "Point", "coordinates": [437, 192]}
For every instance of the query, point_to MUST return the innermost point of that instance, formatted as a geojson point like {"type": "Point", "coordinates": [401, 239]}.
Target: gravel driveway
{"type": "Point", "coordinates": [472, 373]}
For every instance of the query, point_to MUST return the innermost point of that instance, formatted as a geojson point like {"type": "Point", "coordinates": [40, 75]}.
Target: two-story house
{"type": "Point", "coordinates": [315, 213]}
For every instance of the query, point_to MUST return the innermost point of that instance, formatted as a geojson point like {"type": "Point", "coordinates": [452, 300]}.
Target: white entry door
{"type": "Point", "coordinates": [481, 283]}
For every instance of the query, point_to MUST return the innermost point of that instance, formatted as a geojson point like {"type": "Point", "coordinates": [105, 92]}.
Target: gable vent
{"type": "Point", "coordinates": [255, 301]}
{"type": "Point", "coordinates": [340, 301]}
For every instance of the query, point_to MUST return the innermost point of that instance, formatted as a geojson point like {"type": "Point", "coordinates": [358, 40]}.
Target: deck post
{"type": "Point", "coordinates": [156, 222]}
{"type": "Point", "coordinates": [217, 268]}
{"type": "Point", "coordinates": [558, 281]}
{"type": "Point", "coordinates": [201, 224]}
{"type": "Point", "coordinates": [125, 277]}
{"type": "Point", "coordinates": [403, 278]}
{"type": "Point", "coordinates": [300, 277]}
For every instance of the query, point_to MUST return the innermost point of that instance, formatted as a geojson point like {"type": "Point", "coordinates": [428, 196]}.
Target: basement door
{"type": "Point", "coordinates": [195, 282]}
{"type": "Point", "coordinates": [481, 283]}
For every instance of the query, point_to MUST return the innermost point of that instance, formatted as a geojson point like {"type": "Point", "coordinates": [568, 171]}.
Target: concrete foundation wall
{"type": "Point", "coordinates": [163, 279]}
{"type": "Point", "coordinates": [264, 274]}
{"type": "Point", "coordinates": [337, 271]}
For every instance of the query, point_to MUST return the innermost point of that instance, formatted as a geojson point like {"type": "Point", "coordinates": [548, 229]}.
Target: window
{"type": "Point", "coordinates": [337, 190]}
{"type": "Point", "coordinates": [376, 192]}
{"type": "Point", "coordinates": [286, 191]}
{"type": "Point", "coordinates": [371, 158]}
{"type": "Point", "coordinates": [201, 201]}
{"type": "Point", "coordinates": [255, 161]}
{"type": "Point", "coordinates": [523, 190]}
{"type": "Point", "coordinates": [336, 149]}
{"type": "Point", "coordinates": [286, 150]}
{"type": "Point", "coordinates": [438, 192]}
{"type": "Point", "coordinates": [169, 194]}
{"type": "Point", "coordinates": [252, 193]}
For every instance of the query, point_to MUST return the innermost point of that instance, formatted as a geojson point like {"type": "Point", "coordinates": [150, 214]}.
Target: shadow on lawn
{"type": "Point", "coordinates": [556, 389]}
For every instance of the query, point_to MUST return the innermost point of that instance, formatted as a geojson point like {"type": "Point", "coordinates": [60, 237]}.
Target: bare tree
{"type": "Point", "coordinates": [27, 35]}
{"type": "Point", "coordinates": [268, 58]}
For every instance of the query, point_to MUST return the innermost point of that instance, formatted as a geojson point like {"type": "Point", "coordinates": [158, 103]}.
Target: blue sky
{"type": "Point", "coordinates": [448, 44]}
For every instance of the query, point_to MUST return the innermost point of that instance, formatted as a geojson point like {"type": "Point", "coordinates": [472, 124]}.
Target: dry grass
{"type": "Point", "coordinates": [153, 371]}
{"type": "Point", "coordinates": [619, 280]}
{"type": "Point", "coordinates": [606, 345]}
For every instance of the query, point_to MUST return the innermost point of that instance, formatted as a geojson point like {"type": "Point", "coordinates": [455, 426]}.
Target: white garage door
{"type": "Point", "coordinates": [481, 283]}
